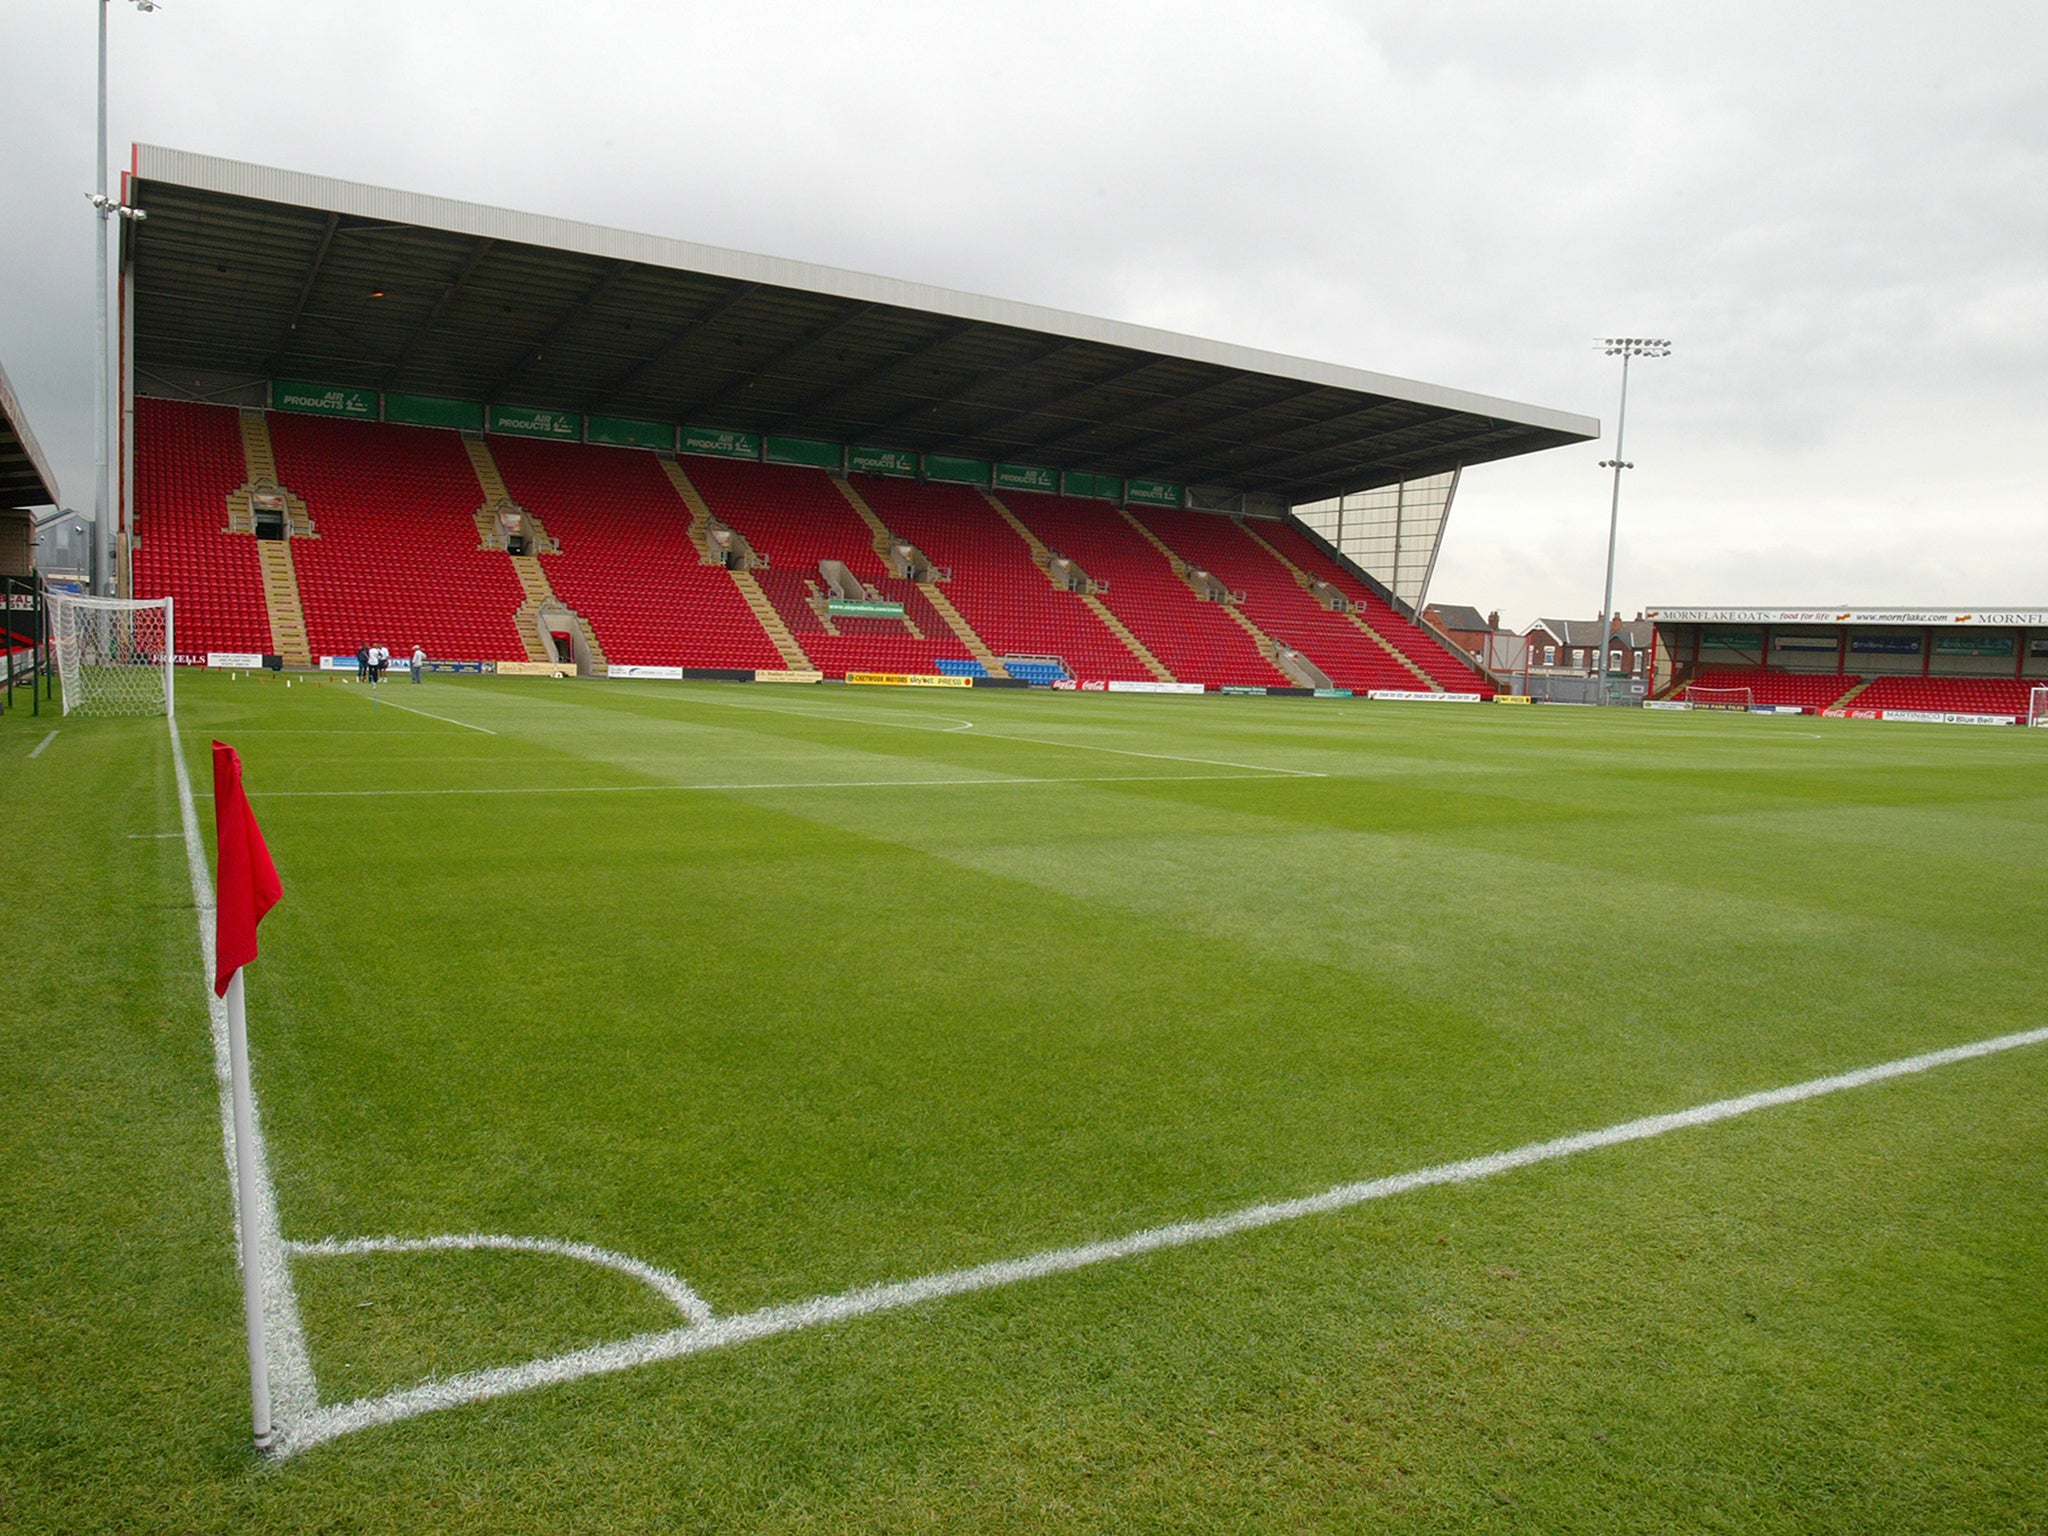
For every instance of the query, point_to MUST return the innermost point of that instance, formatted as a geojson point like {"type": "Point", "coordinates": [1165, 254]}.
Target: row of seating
{"type": "Point", "coordinates": [1769, 685]}
{"type": "Point", "coordinates": [1957, 695]}
{"type": "Point", "coordinates": [187, 461]}
{"type": "Point", "coordinates": [397, 560]}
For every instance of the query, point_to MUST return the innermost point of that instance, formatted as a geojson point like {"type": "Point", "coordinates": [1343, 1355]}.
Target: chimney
{"type": "Point", "coordinates": [1493, 619]}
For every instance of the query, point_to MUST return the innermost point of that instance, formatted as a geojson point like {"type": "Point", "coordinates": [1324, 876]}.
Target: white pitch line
{"type": "Point", "coordinates": [1168, 757]}
{"type": "Point", "coordinates": [645, 1349]}
{"type": "Point", "coordinates": [38, 752]}
{"type": "Point", "coordinates": [671, 1286]}
{"type": "Point", "coordinates": [956, 725]}
{"type": "Point", "coordinates": [987, 735]}
{"type": "Point", "coordinates": [294, 1395]}
{"type": "Point", "coordinates": [633, 789]}
{"type": "Point", "coordinates": [391, 704]}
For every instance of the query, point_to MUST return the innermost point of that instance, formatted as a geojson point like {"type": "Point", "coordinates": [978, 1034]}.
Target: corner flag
{"type": "Point", "coordinates": [246, 884]}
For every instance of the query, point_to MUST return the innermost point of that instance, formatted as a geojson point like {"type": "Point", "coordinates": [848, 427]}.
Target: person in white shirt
{"type": "Point", "coordinates": [419, 662]}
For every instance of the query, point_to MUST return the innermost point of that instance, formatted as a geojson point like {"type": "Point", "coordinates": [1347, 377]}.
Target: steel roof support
{"type": "Point", "coordinates": [426, 327]}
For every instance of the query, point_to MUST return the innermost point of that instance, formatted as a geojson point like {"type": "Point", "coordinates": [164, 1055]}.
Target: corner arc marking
{"type": "Point", "coordinates": [672, 1287]}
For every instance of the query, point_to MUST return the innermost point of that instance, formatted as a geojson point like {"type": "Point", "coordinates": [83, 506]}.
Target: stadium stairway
{"type": "Point", "coordinates": [540, 609]}
{"type": "Point", "coordinates": [804, 530]}
{"type": "Point", "coordinates": [885, 547]}
{"type": "Point", "coordinates": [1042, 557]}
{"type": "Point", "coordinates": [281, 601]}
{"type": "Point", "coordinates": [188, 466]}
{"type": "Point", "coordinates": [1264, 644]}
{"type": "Point", "coordinates": [744, 582]}
{"type": "Point", "coordinates": [1306, 582]}
{"type": "Point", "coordinates": [1418, 650]}
{"type": "Point", "coordinates": [397, 560]}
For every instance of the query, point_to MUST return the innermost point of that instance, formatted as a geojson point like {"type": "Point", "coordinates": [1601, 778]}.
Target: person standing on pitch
{"type": "Point", "coordinates": [362, 663]}
{"type": "Point", "coordinates": [419, 662]}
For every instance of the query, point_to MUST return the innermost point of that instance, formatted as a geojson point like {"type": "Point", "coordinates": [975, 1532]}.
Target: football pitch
{"type": "Point", "coordinates": [719, 1107]}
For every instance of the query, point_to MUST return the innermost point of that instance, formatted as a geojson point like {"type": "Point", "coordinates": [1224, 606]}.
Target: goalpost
{"type": "Point", "coordinates": [2037, 705]}
{"type": "Point", "coordinates": [113, 654]}
{"type": "Point", "coordinates": [1719, 698]}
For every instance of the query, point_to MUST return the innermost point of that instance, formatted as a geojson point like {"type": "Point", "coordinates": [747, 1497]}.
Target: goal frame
{"type": "Point", "coordinates": [1743, 698]}
{"type": "Point", "coordinates": [75, 658]}
{"type": "Point", "coordinates": [2037, 705]}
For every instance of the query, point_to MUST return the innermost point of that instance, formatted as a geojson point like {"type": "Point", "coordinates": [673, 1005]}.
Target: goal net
{"type": "Point", "coordinates": [113, 654]}
{"type": "Point", "coordinates": [1720, 698]}
{"type": "Point", "coordinates": [2037, 705]}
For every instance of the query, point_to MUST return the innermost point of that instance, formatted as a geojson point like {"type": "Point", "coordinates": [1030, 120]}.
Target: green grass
{"type": "Point", "coordinates": [785, 1041]}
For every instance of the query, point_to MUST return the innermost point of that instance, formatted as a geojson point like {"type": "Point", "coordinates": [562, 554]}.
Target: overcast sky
{"type": "Point", "coordinates": [1839, 213]}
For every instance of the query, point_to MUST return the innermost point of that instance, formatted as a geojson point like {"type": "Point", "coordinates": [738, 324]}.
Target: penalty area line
{"type": "Point", "coordinates": [340, 1419]}
{"type": "Point", "coordinates": [38, 752]}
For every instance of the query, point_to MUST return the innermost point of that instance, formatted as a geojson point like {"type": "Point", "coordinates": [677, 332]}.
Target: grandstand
{"type": "Point", "coordinates": [360, 416]}
{"type": "Point", "coordinates": [1975, 665]}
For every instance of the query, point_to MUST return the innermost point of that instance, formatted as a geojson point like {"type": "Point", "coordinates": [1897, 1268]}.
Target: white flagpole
{"type": "Point", "coordinates": [245, 1188]}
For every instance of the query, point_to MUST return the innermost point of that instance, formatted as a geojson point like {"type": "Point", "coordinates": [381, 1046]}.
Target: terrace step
{"type": "Point", "coordinates": [493, 520]}
{"type": "Point", "coordinates": [259, 460]}
{"type": "Point", "coordinates": [1042, 558]}
{"type": "Point", "coordinates": [1429, 683]}
{"type": "Point", "coordinates": [1859, 687]}
{"type": "Point", "coordinates": [793, 656]}
{"type": "Point", "coordinates": [281, 601]}
{"type": "Point", "coordinates": [962, 630]}
{"type": "Point", "coordinates": [884, 539]}
{"type": "Point", "coordinates": [700, 510]}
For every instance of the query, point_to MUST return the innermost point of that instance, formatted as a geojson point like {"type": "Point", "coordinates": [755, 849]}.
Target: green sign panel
{"type": "Point", "coordinates": [323, 400]}
{"type": "Point", "coordinates": [1748, 641]}
{"type": "Point", "coordinates": [1156, 493]}
{"type": "Point", "coordinates": [806, 451]}
{"type": "Point", "coordinates": [881, 461]}
{"type": "Point", "coordinates": [943, 466]}
{"type": "Point", "coordinates": [529, 421]}
{"type": "Point", "coordinates": [719, 443]}
{"type": "Point", "coordinates": [1026, 477]}
{"type": "Point", "coordinates": [1973, 645]}
{"type": "Point", "coordinates": [847, 608]}
{"type": "Point", "coordinates": [1078, 482]}
{"type": "Point", "coordinates": [426, 411]}
{"type": "Point", "coordinates": [619, 432]}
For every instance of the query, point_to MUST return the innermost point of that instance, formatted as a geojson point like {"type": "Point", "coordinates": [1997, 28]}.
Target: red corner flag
{"type": "Point", "coordinates": [245, 881]}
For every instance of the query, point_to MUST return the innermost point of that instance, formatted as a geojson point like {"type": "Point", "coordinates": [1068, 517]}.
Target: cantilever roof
{"type": "Point", "coordinates": [248, 271]}
{"type": "Point", "coordinates": [25, 478]}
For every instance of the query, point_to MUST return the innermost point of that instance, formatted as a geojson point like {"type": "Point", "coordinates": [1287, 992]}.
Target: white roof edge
{"type": "Point", "coordinates": [1843, 614]}
{"type": "Point", "coordinates": [237, 178]}
{"type": "Point", "coordinates": [10, 407]}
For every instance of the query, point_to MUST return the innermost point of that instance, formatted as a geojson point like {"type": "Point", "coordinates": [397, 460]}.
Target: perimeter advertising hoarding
{"type": "Point", "coordinates": [1026, 477]}
{"type": "Point", "coordinates": [804, 451]}
{"type": "Point", "coordinates": [956, 471]}
{"type": "Point", "coordinates": [881, 461]}
{"type": "Point", "coordinates": [528, 421]}
{"type": "Point", "coordinates": [907, 680]}
{"type": "Point", "coordinates": [1078, 482]}
{"type": "Point", "coordinates": [718, 443]}
{"type": "Point", "coordinates": [623, 432]}
{"type": "Point", "coordinates": [323, 400]}
{"type": "Point", "coordinates": [432, 411]}
{"type": "Point", "coordinates": [1156, 493]}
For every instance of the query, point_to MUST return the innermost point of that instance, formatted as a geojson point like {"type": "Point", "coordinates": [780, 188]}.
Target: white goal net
{"type": "Point", "coordinates": [2037, 705]}
{"type": "Point", "coordinates": [1720, 698]}
{"type": "Point", "coordinates": [113, 654]}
